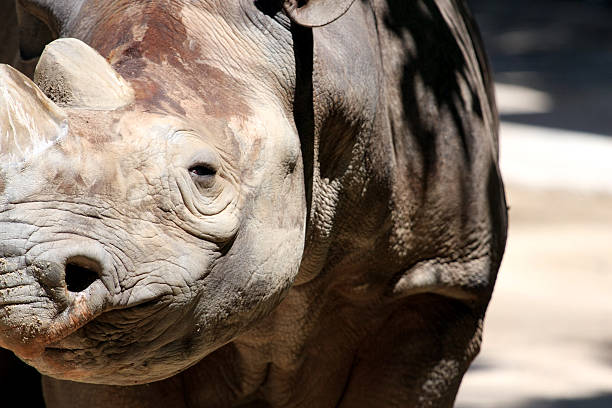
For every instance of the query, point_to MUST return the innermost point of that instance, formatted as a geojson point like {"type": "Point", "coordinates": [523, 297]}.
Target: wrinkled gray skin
{"type": "Point", "coordinates": [336, 247]}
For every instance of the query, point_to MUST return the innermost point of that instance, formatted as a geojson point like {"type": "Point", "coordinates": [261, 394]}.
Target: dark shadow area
{"type": "Point", "coordinates": [560, 47]}
{"type": "Point", "coordinates": [599, 401]}
{"type": "Point", "coordinates": [8, 31]}
{"type": "Point", "coordinates": [303, 108]}
{"type": "Point", "coordinates": [19, 382]}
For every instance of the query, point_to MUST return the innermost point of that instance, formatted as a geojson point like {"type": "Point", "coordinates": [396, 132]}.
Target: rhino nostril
{"type": "Point", "coordinates": [81, 272]}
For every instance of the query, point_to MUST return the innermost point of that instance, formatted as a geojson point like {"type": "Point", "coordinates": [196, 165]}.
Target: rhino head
{"type": "Point", "coordinates": [131, 235]}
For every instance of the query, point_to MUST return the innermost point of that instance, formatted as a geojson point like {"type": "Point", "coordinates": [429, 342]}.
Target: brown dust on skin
{"type": "Point", "coordinates": [149, 46]}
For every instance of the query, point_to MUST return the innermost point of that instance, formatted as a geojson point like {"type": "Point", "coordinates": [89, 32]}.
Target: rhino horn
{"type": "Point", "coordinates": [316, 13]}
{"type": "Point", "coordinates": [29, 121]}
{"type": "Point", "coordinates": [73, 74]}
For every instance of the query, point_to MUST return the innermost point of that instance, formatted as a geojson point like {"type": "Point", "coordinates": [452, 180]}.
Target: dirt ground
{"type": "Point", "coordinates": [548, 331]}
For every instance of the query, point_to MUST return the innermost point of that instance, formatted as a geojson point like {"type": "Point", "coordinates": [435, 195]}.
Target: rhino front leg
{"type": "Point", "coordinates": [420, 359]}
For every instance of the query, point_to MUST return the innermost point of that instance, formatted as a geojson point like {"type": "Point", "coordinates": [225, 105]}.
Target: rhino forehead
{"type": "Point", "coordinates": [171, 69]}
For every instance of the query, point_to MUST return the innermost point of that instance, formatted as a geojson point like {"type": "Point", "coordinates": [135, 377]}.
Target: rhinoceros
{"type": "Point", "coordinates": [254, 203]}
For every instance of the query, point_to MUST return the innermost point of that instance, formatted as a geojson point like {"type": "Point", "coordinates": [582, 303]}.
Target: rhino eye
{"type": "Point", "coordinates": [203, 174]}
{"type": "Point", "coordinates": [202, 170]}
{"type": "Point", "coordinates": [204, 166]}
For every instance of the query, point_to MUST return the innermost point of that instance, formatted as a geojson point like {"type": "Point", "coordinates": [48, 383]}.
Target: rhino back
{"type": "Point", "coordinates": [444, 129]}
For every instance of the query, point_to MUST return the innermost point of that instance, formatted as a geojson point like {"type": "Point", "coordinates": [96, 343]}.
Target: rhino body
{"type": "Point", "coordinates": [248, 203]}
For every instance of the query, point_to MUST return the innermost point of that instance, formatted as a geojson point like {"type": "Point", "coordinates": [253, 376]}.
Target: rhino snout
{"type": "Point", "coordinates": [58, 289]}
{"type": "Point", "coordinates": [71, 267]}
{"type": "Point", "coordinates": [65, 279]}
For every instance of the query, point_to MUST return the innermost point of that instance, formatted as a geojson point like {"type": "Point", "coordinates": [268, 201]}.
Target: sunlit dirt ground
{"type": "Point", "coordinates": [548, 331]}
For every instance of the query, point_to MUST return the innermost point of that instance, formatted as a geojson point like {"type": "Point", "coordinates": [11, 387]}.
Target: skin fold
{"type": "Point", "coordinates": [247, 203]}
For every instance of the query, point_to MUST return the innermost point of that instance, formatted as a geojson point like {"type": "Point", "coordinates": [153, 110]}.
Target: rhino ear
{"type": "Point", "coordinates": [29, 121]}
{"type": "Point", "coordinates": [316, 13]}
{"type": "Point", "coordinates": [71, 73]}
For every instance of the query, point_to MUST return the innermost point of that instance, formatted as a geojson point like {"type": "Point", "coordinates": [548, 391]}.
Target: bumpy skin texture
{"type": "Point", "coordinates": [342, 253]}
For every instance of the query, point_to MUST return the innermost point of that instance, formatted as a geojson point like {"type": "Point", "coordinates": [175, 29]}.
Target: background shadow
{"type": "Point", "coordinates": [560, 47]}
{"type": "Point", "coordinates": [599, 401]}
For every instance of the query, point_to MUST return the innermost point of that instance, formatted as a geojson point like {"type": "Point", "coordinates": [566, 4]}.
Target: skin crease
{"type": "Point", "coordinates": [344, 254]}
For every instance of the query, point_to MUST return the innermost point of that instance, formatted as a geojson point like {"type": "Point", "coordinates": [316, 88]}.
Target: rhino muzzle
{"type": "Point", "coordinates": [51, 293]}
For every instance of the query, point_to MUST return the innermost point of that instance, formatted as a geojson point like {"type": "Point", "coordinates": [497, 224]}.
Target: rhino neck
{"type": "Point", "coordinates": [267, 362]}
{"type": "Point", "coordinates": [345, 143]}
